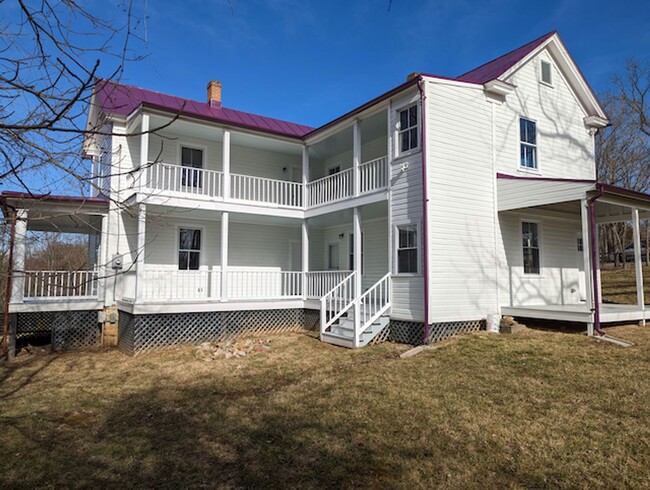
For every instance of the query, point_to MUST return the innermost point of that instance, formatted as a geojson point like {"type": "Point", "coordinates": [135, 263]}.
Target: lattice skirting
{"type": "Point", "coordinates": [413, 332]}
{"type": "Point", "coordinates": [68, 329]}
{"type": "Point", "coordinates": [142, 333]}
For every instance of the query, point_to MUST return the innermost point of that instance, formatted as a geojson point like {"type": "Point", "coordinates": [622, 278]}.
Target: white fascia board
{"type": "Point", "coordinates": [446, 81]}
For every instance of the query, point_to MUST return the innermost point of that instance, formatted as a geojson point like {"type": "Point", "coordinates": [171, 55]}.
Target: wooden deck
{"type": "Point", "coordinates": [579, 313]}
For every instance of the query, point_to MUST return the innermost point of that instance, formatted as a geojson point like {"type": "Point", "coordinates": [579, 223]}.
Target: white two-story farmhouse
{"type": "Point", "coordinates": [415, 216]}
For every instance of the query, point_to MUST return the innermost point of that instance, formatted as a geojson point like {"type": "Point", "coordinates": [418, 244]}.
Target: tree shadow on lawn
{"type": "Point", "coordinates": [218, 439]}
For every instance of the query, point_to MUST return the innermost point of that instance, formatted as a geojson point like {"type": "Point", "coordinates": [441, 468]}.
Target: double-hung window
{"type": "Point", "coordinates": [192, 162]}
{"type": "Point", "coordinates": [407, 249]}
{"type": "Point", "coordinates": [530, 238]}
{"type": "Point", "coordinates": [528, 144]}
{"type": "Point", "coordinates": [408, 129]}
{"type": "Point", "coordinates": [189, 249]}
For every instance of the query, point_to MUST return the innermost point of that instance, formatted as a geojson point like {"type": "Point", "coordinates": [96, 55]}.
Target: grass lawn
{"type": "Point", "coordinates": [619, 285]}
{"type": "Point", "coordinates": [534, 410]}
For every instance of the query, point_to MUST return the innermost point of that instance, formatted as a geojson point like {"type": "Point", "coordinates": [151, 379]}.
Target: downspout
{"type": "Point", "coordinates": [593, 244]}
{"type": "Point", "coordinates": [10, 265]}
{"type": "Point", "coordinates": [425, 206]}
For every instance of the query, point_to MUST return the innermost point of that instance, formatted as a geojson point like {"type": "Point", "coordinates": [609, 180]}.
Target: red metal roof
{"type": "Point", "coordinates": [53, 198]}
{"type": "Point", "coordinates": [117, 98]}
{"type": "Point", "coordinates": [497, 67]}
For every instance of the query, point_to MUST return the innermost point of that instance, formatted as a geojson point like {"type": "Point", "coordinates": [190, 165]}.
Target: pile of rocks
{"type": "Point", "coordinates": [210, 351]}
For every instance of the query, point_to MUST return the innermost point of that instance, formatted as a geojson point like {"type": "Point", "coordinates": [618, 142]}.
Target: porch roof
{"type": "Point", "coordinates": [518, 192]}
{"type": "Point", "coordinates": [65, 214]}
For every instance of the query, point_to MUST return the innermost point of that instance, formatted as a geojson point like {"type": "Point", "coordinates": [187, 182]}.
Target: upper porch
{"type": "Point", "coordinates": [185, 163]}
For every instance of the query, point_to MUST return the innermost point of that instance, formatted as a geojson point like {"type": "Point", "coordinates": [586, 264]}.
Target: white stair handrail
{"type": "Point", "coordinates": [339, 299]}
{"type": "Point", "coordinates": [373, 303]}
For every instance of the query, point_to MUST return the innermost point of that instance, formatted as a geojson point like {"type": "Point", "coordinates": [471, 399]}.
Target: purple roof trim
{"type": "Point", "coordinates": [116, 98]}
{"type": "Point", "coordinates": [53, 198]}
{"type": "Point", "coordinates": [544, 179]}
{"type": "Point", "coordinates": [622, 190]}
{"type": "Point", "coordinates": [497, 67]}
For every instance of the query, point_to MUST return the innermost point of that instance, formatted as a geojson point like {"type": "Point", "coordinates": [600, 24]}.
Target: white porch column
{"type": "Point", "coordinates": [139, 256]}
{"type": "Point", "coordinates": [305, 257]}
{"type": "Point", "coordinates": [356, 226]}
{"type": "Point", "coordinates": [356, 157]}
{"type": "Point", "coordinates": [224, 256]}
{"type": "Point", "coordinates": [586, 259]}
{"type": "Point", "coordinates": [144, 153]}
{"type": "Point", "coordinates": [102, 261]}
{"type": "Point", "coordinates": [226, 167]}
{"type": "Point", "coordinates": [305, 175]}
{"type": "Point", "coordinates": [638, 263]}
{"type": "Point", "coordinates": [18, 268]}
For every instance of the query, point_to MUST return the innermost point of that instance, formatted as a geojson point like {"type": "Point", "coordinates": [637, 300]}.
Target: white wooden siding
{"type": "Point", "coordinates": [406, 205]}
{"type": "Point", "coordinates": [559, 280]}
{"type": "Point", "coordinates": [515, 194]}
{"type": "Point", "coordinates": [564, 147]}
{"type": "Point", "coordinates": [462, 262]}
{"type": "Point", "coordinates": [164, 146]}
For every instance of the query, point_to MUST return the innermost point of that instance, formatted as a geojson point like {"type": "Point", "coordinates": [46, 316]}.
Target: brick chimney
{"type": "Point", "coordinates": [214, 93]}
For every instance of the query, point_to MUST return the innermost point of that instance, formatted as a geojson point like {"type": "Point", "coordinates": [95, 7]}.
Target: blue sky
{"type": "Point", "coordinates": [310, 62]}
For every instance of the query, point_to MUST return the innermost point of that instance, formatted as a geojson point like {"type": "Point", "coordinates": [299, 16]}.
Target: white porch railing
{"type": "Point", "coordinates": [319, 283]}
{"type": "Point", "coordinates": [185, 180]}
{"type": "Point", "coordinates": [373, 175]}
{"type": "Point", "coordinates": [337, 301]}
{"type": "Point", "coordinates": [264, 284]}
{"type": "Point", "coordinates": [335, 187]}
{"type": "Point", "coordinates": [61, 284]}
{"type": "Point", "coordinates": [268, 191]}
{"type": "Point", "coordinates": [162, 285]}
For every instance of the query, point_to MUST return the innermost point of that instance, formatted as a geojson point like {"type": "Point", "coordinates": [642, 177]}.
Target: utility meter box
{"type": "Point", "coordinates": [116, 263]}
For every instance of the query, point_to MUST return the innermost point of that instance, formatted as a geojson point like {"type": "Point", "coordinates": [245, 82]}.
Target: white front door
{"type": "Point", "coordinates": [333, 257]}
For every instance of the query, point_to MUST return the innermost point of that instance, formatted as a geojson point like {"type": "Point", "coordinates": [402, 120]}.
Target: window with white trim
{"type": "Point", "coordinates": [546, 73]}
{"type": "Point", "coordinates": [189, 249]}
{"type": "Point", "coordinates": [192, 162]}
{"type": "Point", "coordinates": [528, 144]}
{"type": "Point", "coordinates": [407, 249]}
{"type": "Point", "coordinates": [530, 242]}
{"type": "Point", "coordinates": [408, 134]}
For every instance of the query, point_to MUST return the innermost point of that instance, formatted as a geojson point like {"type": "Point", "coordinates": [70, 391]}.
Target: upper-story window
{"type": "Point", "coordinates": [192, 160]}
{"type": "Point", "coordinates": [546, 74]}
{"type": "Point", "coordinates": [408, 129]}
{"type": "Point", "coordinates": [528, 144]}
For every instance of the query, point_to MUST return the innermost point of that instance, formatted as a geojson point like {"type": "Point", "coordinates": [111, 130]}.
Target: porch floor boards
{"type": "Point", "coordinates": [579, 313]}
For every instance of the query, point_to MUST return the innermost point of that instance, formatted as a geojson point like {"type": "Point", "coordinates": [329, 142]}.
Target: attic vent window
{"type": "Point", "coordinates": [547, 74]}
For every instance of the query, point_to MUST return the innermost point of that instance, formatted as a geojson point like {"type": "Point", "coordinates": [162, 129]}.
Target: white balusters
{"type": "Point", "coordinates": [267, 191]}
{"type": "Point", "coordinates": [61, 284]}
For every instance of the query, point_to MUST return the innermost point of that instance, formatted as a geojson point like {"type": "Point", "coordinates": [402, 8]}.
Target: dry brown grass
{"type": "Point", "coordinates": [530, 410]}
{"type": "Point", "coordinates": [619, 285]}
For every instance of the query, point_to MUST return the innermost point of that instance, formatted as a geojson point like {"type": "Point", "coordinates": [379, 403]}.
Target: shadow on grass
{"type": "Point", "coordinates": [193, 438]}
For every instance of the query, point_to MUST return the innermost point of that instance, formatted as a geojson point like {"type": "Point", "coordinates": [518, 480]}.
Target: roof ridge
{"type": "Point", "coordinates": [524, 51]}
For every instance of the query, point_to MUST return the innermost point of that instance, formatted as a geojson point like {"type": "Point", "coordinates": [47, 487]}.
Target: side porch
{"type": "Point", "coordinates": [549, 256]}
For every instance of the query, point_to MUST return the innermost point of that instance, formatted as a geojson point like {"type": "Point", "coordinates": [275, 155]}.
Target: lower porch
{"type": "Point", "coordinates": [579, 313]}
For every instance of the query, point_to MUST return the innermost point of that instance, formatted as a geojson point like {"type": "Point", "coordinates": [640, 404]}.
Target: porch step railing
{"type": "Point", "coordinates": [337, 302]}
{"type": "Point", "coordinates": [186, 180]}
{"type": "Point", "coordinates": [61, 284]}
{"type": "Point", "coordinates": [373, 304]}
{"type": "Point", "coordinates": [269, 191]}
